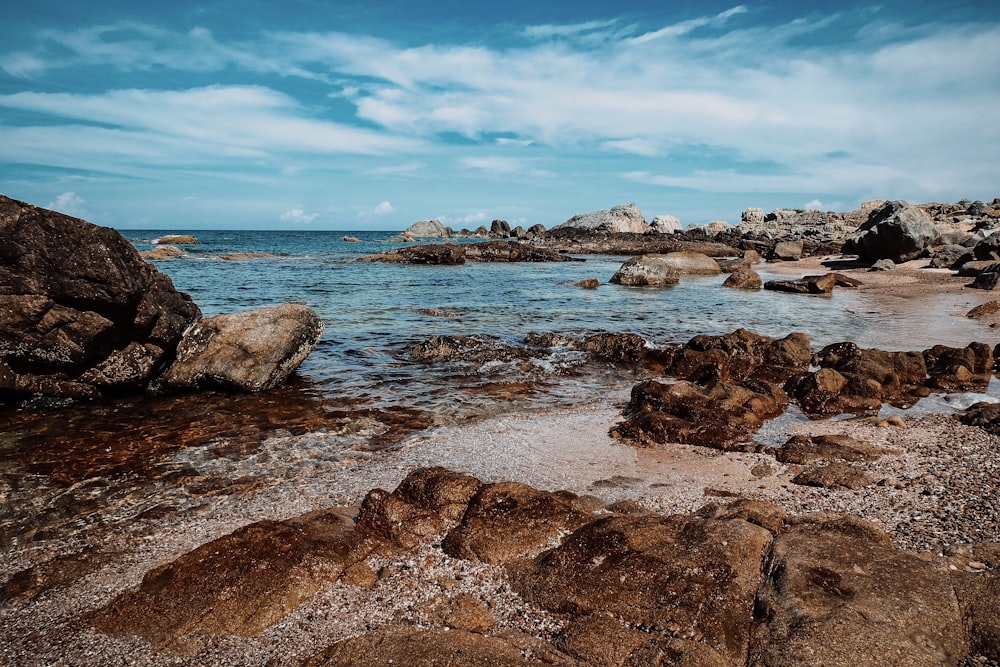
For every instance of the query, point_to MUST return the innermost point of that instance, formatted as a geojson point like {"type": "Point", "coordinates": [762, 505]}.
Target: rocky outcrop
{"type": "Point", "coordinates": [487, 251]}
{"type": "Point", "coordinates": [896, 231]}
{"type": "Point", "coordinates": [464, 348]}
{"type": "Point", "coordinates": [162, 252]}
{"type": "Point", "coordinates": [803, 450]}
{"type": "Point", "coordinates": [742, 355]}
{"type": "Point", "coordinates": [81, 315]}
{"type": "Point", "coordinates": [741, 583]}
{"type": "Point", "coordinates": [689, 263]}
{"type": "Point", "coordinates": [624, 218]}
{"type": "Point", "coordinates": [646, 271]}
{"type": "Point", "coordinates": [177, 239]}
{"type": "Point", "coordinates": [785, 251]}
{"type": "Point", "coordinates": [252, 351]}
{"type": "Point", "coordinates": [818, 285]}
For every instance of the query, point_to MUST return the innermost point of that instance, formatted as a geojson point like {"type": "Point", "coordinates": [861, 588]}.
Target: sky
{"type": "Point", "coordinates": [325, 114]}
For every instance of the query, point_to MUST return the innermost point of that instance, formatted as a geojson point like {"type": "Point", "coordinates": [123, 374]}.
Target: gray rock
{"type": "Point", "coordinates": [692, 263]}
{"type": "Point", "coordinates": [786, 251]}
{"type": "Point", "coordinates": [752, 215]}
{"type": "Point", "coordinates": [623, 218]}
{"type": "Point", "coordinates": [988, 279]}
{"type": "Point", "coordinates": [883, 265]}
{"type": "Point", "coordinates": [896, 231]}
{"type": "Point", "coordinates": [747, 279]}
{"type": "Point", "coordinates": [428, 228]}
{"type": "Point", "coordinates": [252, 351]}
{"type": "Point", "coordinates": [646, 270]}
{"type": "Point", "coordinates": [665, 224]}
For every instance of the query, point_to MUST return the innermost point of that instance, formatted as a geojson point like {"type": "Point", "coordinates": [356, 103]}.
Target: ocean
{"type": "Point", "coordinates": [79, 466]}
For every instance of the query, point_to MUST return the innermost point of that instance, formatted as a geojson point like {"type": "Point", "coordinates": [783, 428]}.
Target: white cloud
{"type": "Point", "coordinates": [383, 208]}
{"type": "Point", "coordinates": [815, 205]}
{"type": "Point", "coordinates": [298, 216]}
{"type": "Point", "coordinates": [69, 203]}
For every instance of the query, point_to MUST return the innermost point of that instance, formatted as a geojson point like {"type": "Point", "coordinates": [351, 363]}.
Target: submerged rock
{"type": "Point", "coordinates": [81, 315]}
{"type": "Point", "coordinates": [252, 351]}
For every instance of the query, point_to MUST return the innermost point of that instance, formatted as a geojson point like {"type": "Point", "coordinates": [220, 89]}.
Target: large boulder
{"type": "Point", "coordinates": [840, 594]}
{"type": "Point", "coordinates": [428, 228]}
{"type": "Point", "coordinates": [81, 315]}
{"type": "Point", "coordinates": [896, 231]}
{"type": "Point", "coordinates": [665, 224]}
{"type": "Point", "coordinates": [252, 351]}
{"type": "Point", "coordinates": [623, 218]}
{"type": "Point", "coordinates": [646, 270]}
{"type": "Point", "coordinates": [747, 279]}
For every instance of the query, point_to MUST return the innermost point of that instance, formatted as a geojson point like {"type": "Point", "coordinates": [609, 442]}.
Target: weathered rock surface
{"type": "Point", "coordinates": [988, 278]}
{"type": "Point", "coordinates": [177, 239]}
{"type": "Point", "coordinates": [731, 584]}
{"type": "Point", "coordinates": [785, 251]}
{"type": "Point", "coordinates": [623, 218]}
{"type": "Point", "coordinates": [252, 351]}
{"type": "Point", "coordinates": [835, 475]}
{"type": "Point", "coordinates": [464, 348]}
{"type": "Point", "coordinates": [720, 415]}
{"type": "Point", "coordinates": [822, 285]}
{"type": "Point", "coordinates": [838, 593]}
{"type": "Point", "coordinates": [427, 228]}
{"type": "Point", "coordinates": [743, 355]}
{"type": "Point", "coordinates": [896, 231]}
{"type": "Point", "coordinates": [81, 315]}
{"type": "Point", "coordinates": [646, 271]}
{"type": "Point", "coordinates": [689, 263]}
{"type": "Point", "coordinates": [665, 224]}
{"type": "Point", "coordinates": [984, 415]}
{"type": "Point", "coordinates": [747, 279]}
{"type": "Point", "coordinates": [802, 449]}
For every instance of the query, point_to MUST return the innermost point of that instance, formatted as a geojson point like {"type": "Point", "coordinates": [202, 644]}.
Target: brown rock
{"type": "Point", "coordinates": [646, 271]}
{"type": "Point", "coordinates": [959, 369]}
{"type": "Point", "coordinates": [822, 285]}
{"type": "Point", "coordinates": [838, 593]}
{"type": "Point", "coordinates": [786, 251]}
{"type": "Point", "coordinates": [805, 449]}
{"type": "Point", "coordinates": [588, 283]}
{"type": "Point", "coordinates": [695, 579]}
{"type": "Point", "coordinates": [744, 279]}
{"type": "Point", "coordinates": [616, 346]}
{"type": "Point", "coordinates": [434, 647]}
{"type": "Point", "coordinates": [252, 351]}
{"type": "Point", "coordinates": [177, 239]}
{"type": "Point", "coordinates": [75, 297]}
{"type": "Point", "coordinates": [507, 521]}
{"type": "Point", "coordinates": [720, 417]}
{"type": "Point", "coordinates": [464, 348]}
{"type": "Point", "coordinates": [984, 310]}
{"type": "Point", "coordinates": [162, 252]}
{"type": "Point", "coordinates": [984, 415]}
{"type": "Point", "coordinates": [979, 599]}
{"type": "Point", "coordinates": [239, 584]}
{"type": "Point", "coordinates": [836, 475]}
{"type": "Point", "coordinates": [688, 263]}
{"type": "Point", "coordinates": [743, 355]}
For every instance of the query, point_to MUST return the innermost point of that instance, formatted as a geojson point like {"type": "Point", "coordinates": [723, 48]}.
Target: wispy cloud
{"type": "Point", "coordinates": [298, 216]}
{"type": "Point", "coordinates": [69, 203]}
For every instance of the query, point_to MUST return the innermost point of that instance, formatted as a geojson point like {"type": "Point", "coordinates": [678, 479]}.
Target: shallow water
{"type": "Point", "coordinates": [359, 390]}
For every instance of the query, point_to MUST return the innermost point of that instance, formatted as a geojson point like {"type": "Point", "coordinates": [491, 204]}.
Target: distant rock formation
{"type": "Point", "coordinates": [162, 252]}
{"type": "Point", "coordinates": [176, 239]}
{"type": "Point", "coordinates": [623, 218]}
{"type": "Point", "coordinates": [428, 229]}
{"type": "Point", "coordinates": [665, 224]}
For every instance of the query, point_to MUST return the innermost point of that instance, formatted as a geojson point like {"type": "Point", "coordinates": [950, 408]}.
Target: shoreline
{"type": "Point", "coordinates": [930, 498]}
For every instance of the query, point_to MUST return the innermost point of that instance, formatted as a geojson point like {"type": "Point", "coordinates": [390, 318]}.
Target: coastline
{"type": "Point", "coordinates": [929, 498]}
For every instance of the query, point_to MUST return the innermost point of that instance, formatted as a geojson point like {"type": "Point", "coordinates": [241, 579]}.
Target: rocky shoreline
{"type": "Point", "coordinates": [702, 519]}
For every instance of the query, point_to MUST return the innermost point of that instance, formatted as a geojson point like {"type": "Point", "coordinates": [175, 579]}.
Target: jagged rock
{"type": "Point", "coordinates": [988, 278]}
{"type": "Point", "coordinates": [836, 475]}
{"type": "Point", "coordinates": [665, 224]}
{"type": "Point", "coordinates": [437, 254]}
{"type": "Point", "coordinates": [806, 285]}
{"type": "Point", "coordinates": [983, 415]}
{"type": "Point", "coordinates": [720, 416]}
{"type": "Point", "coordinates": [646, 270]}
{"type": "Point", "coordinates": [752, 215]}
{"type": "Point", "coordinates": [988, 249]}
{"type": "Point", "coordinates": [508, 521]}
{"type": "Point", "coordinates": [743, 355]}
{"type": "Point", "coordinates": [77, 300]}
{"type": "Point", "coordinates": [427, 228]}
{"type": "Point", "coordinates": [464, 348]}
{"type": "Point", "coordinates": [677, 577]}
{"type": "Point", "coordinates": [838, 593]}
{"type": "Point", "coordinates": [971, 269]}
{"type": "Point", "coordinates": [616, 346]}
{"type": "Point", "coordinates": [624, 218]}
{"type": "Point", "coordinates": [500, 228]}
{"type": "Point", "coordinates": [896, 231]}
{"type": "Point", "coordinates": [947, 256]}
{"type": "Point", "coordinates": [744, 279]}
{"type": "Point", "coordinates": [450, 254]}
{"type": "Point", "coordinates": [959, 369]}
{"type": "Point", "coordinates": [252, 351]}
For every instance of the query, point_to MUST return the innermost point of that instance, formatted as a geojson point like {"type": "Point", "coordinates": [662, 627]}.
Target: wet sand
{"type": "Point", "coordinates": [930, 497]}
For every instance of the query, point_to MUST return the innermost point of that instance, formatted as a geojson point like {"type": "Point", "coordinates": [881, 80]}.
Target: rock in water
{"type": "Point", "coordinates": [252, 351]}
{"type": "Point", "coordinates": [428, 228]}
{"type": "Point", "coordinates": [81, 315]}
{"type": "Point", "coordinates": [744, 279]}
{"type": "Point", "coordinates": [646, 270]}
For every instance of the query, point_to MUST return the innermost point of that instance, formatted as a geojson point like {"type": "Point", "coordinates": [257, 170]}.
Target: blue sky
{"type": "Point", "coordinates": [307, 114]}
